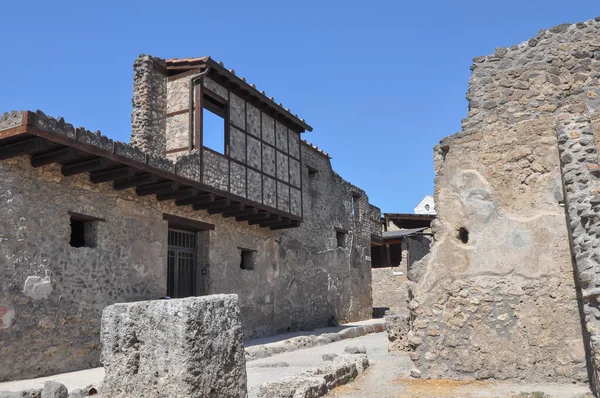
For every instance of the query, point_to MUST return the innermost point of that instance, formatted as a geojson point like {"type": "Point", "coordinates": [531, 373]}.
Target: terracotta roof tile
{"type": "Point", "coordinates": [316, 148]}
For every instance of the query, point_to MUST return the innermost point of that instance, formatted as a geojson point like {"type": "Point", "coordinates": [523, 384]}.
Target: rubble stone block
{"type": "Point", "coordinates": [397, 326]}
{"type": "Point", "coordinates": [174, 348]}
{"type": "Point", "coordinates": [53, 389]}
{"type": "Point", "coordinates": [294, 387]}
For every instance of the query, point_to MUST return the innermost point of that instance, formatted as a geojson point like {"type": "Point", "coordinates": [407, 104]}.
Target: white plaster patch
{"type": "Point", "coordinates": [7, 314]}
{"type": "Point", "coordinates": [37, 287]}
{"type": "Point", "coordinates": [147, 259]}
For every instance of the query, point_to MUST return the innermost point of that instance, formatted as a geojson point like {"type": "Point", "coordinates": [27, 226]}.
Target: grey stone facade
{"type": "Point", "coordinates": [52, 294]}
{"type": "Point", "coordinates": [148, 120]}
{"type": "Point", "coordinates": [505, 269]}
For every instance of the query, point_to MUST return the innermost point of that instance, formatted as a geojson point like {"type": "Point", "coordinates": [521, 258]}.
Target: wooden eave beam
{"type": "Point", "coordinates": [157, 187]}
{"type": "Point", "coordinates": [56, 156]}
{"type": "Point", "coordinates": [199, 199]}
{"type": "Point", "coordinates": [84, 166]}
{"type": "Point", "coordinates": [111, 174]}
{"type": "Point", "coordinates": [99, 158]}
{"type": "Point", "coordinates": [219, 203]}
{"type": "Point", "coordinates": [274, 223]}
{"type": "Point", "coordinates": [291, 224]}
{"type": "Point", "coordinates": [260, 216]}
{"type": "Point", "coordinates": [24, 147]}
{"type": "Point", "coordinates": [134, 181]}
{"type": "Point", "coordinates": [182, 193]}
{"type": "Point", "coordinates": [231, 208]}
{"type": "Point", "coordinates": [271, 220]}
{"type": "Point", "coordinates": [244, 212]}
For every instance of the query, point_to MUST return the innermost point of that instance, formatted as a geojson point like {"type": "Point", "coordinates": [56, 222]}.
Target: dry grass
{"type": "Point", "coordinates": [440, 387]}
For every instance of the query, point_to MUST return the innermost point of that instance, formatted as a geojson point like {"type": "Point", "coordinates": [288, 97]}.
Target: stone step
{"type": "Point", "coordinates": [301, 342]}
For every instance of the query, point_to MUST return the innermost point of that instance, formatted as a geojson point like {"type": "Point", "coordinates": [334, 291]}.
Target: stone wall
{"type": "Point", "coordinates": [417, 246]}
{"type": "Point", "coordinates": [389, 289]}
{"type": "Point", "coordinates": [500, 272]}
{"type": "Point", "coordinates": [52, 294]}
{"type": "Point", "coordinates": [148, 119]}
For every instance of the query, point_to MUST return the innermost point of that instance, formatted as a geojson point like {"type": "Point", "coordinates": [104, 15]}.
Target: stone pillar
{"type": "Point", "coordinates": [580, 173]}
{"type": "Point", "coordinates": [190, 347]}
{"type": "Point", "coordinates": [148, 120]}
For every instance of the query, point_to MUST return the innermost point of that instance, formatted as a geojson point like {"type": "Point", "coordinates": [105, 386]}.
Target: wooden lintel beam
{"type": "Point", "coordinates": [56, 156]}
{"type": "Point", "coordinates": [182, 193]}
{"type": "Point", "coordinates": [200, 199]}
{"type": "Point", "coordinates": [21, 148]}
{"type": "Point", "coordinates": [133, 181]}
{"type": "Point", "coordinates": [259, 216]}
{"type": "Point", "coordinates": [84, 166]}
{"type": "Point", "coordinates": [271, 220]}
{"type": "Point", "coordinates": [230, 208]}
{"type": "Point", "coordinates": [223, 202]}
{"type": "Point", "coordinates": [157, 187]}
{"type": "Point", "coordinates": [244, 212]}
{"type": "Point", "coordinates": [291, 224]}
{"type": "Point", "coordinates": [111, 174]}
{"type": "Point", "coordinates": [186, 223]}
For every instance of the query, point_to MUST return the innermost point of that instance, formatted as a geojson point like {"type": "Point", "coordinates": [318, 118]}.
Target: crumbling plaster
{"type": "Point", "coordinates": [501, 179]}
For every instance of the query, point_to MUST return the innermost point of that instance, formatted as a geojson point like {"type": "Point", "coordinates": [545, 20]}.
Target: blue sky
{"type": "Point", "coordinates": [381, 82]}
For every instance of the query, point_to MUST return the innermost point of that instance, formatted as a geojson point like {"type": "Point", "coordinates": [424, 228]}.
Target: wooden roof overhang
{"type": "Point", "coordinates": [409, 221]}
{"type": "Point", "coordinates": [238, 85]}
{"type": "Point", "coordinates": [49, 140]}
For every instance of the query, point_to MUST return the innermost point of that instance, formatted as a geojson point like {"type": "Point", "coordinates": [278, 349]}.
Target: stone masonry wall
{"type": "Point", "coordinates": [389, 289]}
{"type": "Point", "coordinates": [148, 119]}
{"type": "Point", "coordinates": [257, 144]}
{"type": "Point", "coordinates": [52, 294]}
{"type": "Point", "coordinates": [500, 272]}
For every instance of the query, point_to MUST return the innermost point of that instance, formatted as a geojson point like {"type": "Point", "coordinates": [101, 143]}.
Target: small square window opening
{"type": "Point", "coordinates": [247, 259]}
{"type": "Point", "coordinates": [341, 238]}
{"type": "Point", "coordinates": [83, 231]}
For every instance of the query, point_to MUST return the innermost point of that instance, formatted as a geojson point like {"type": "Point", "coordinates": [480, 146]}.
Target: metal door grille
{"type": "Point", "coordinates": [181, 281]}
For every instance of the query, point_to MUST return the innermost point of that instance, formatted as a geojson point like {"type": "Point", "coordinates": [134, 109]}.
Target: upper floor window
{"type": "Point", "coordinates": [213, 123]}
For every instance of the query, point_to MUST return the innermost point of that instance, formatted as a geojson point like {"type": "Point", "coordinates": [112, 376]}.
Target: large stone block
{"type": "Point", "coordinates": [188, 347]}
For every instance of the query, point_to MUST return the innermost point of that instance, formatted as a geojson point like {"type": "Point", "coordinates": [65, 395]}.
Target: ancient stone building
{"type": "Point", "coordinates": [86, 222]}
{"type": "Point", "coordinates": [510, 289]}
{"type": "Point", "coordinates": [405, 240]}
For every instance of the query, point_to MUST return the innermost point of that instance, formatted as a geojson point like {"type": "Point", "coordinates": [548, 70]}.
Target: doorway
{"type": "Point", "coordinates": [182, 263]}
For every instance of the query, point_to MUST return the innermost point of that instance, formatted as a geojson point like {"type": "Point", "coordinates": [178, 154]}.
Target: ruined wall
{"type": "Point", "coordinates": [389, 290]}
{"type": "Point", "coordinates": [506, 279]}
{"type": "Point", "coordinates": [52, 294]}
{"type": "Point", "coordinates": [390, 283]}
{"type": "Point", "coordinates": [417, 247]}
{"type": "Point", "coordinates": [148, 119]}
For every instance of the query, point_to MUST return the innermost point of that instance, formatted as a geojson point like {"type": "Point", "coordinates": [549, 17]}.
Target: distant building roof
{"type": "Point", "coordinates": [402, 233]}
{"type": "Point", "coordinates": [426, 206]}
{"type": "Point", "coordinates": [407, 221]}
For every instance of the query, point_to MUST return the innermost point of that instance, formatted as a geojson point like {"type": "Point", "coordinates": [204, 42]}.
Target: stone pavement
{"type": "Point", "coordinates": [387, 376]}
{"type": "Point", "coordinates": [94, 376]}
